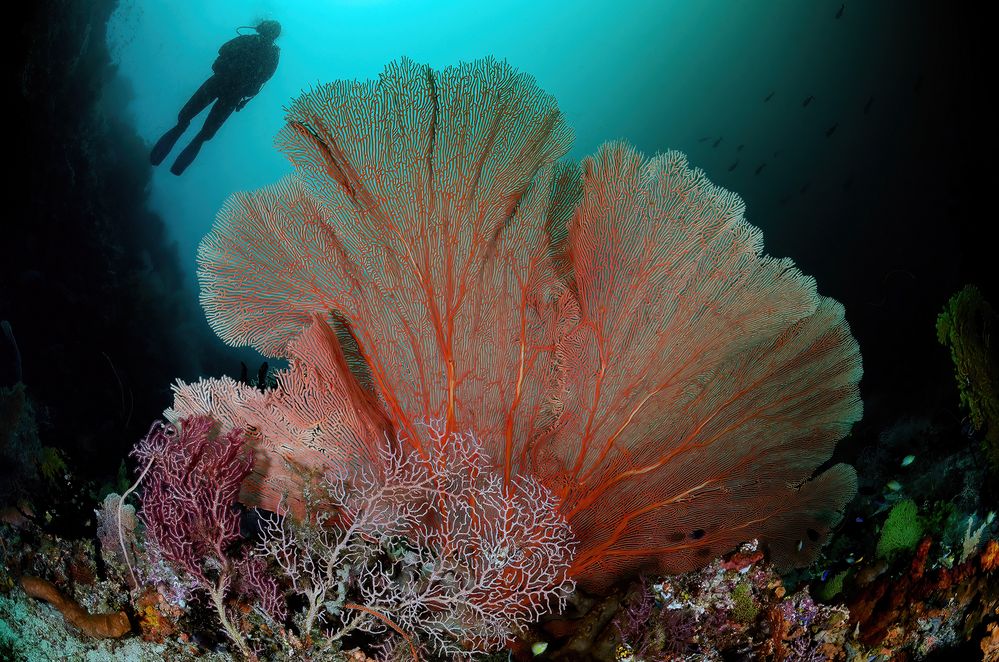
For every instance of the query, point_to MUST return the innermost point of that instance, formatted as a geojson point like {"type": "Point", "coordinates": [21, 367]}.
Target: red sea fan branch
{"type": "Point", "coordinates": [706, 381]}
{"type": "Point", "coordinates": [428, 235]}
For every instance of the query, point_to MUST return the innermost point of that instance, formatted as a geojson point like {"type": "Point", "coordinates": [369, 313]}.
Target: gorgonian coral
{"type": "Point", "coordinates": [611, 330]}
{"type": "Point", "coordinates": [463, 559]}
{"type": "Point", "coordinates": [189, 507]}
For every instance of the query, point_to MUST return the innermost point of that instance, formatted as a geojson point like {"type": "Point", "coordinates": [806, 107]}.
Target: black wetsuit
{"type": "Point", "coordinates": [243, 66]}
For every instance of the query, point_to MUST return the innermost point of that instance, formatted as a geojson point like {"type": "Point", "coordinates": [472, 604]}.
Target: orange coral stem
{"type": "Point", "coordinates": [100, 626]}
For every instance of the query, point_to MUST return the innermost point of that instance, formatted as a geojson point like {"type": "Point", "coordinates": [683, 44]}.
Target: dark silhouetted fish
{"type": "Point", "coordinates": [733, 166]}
{"type": "Point", "coordinates": [777, 153]}
{"type": "Point", "coordinates": [785, 200]}
{"type": "Point", "coordinates": [917, 85]}
{"type": "Point", "coordinates": [848, 183]}
{"type": "Point", "coordinates": [760, 168]}
{"type": "Point", "coordinates": [804, 189]}
{"type": "Point", "coordinates": [839, 14]}
{"type": "Point", "coordinates": [770, 96]}
{"type": "Point", "coordinates": [739, 148]}
{"type": "Point", "coordinates": [831, 130]}
{"type": "Point", "coordinates": [867, 106]}
{"type": "Point", "coordinates": [716, 143]}
{"type": "Point", "coordinates": [704, 139]}
{"type": "Point", "coordinates": [808, 100]}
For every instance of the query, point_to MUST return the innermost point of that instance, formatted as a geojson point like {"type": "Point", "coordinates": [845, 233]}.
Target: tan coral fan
{"type": "Point", "coordinates": [613, 330]}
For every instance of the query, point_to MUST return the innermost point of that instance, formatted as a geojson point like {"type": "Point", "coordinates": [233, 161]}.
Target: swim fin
{"type": "Point", "coordinates": [165, 144]}
{"type": "Point", "coordinates": [186, 157]}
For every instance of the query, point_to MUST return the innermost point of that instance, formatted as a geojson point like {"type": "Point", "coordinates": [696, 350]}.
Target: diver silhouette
{"type": "Point", "coordinates": [243, 66]}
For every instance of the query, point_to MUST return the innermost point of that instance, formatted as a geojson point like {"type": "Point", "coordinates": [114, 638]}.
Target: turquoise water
{"type": "Point", "coordinates": [662, 75]}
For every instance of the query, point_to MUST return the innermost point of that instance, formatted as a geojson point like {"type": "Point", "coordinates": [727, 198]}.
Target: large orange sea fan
{"type": "Point", "coordinates": [611, 328]}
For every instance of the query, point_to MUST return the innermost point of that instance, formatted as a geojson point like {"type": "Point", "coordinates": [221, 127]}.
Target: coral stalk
{"type": "Point", "coordinates": [100, 626]}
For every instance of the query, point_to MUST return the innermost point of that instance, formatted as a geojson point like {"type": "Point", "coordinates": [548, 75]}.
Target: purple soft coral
{"type": "Point", "coordinates": [188, 503]}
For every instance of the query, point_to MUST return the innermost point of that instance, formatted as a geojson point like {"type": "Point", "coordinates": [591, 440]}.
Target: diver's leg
{"type": "Point", "coordinates": [219, 113]}
{"type": "Point", "coordinates": [204, 96]}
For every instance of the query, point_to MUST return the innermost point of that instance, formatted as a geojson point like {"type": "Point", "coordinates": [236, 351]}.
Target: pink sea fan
{"type": "Point", "coordinates": [612, 330]}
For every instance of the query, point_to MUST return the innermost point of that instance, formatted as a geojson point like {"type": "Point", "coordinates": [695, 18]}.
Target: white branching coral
{"type": "Point", "coordinates": [436, 548]}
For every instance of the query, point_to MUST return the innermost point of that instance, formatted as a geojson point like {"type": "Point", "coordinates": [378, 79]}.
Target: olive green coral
{"type": "Point", "coordinates": [744, 608]}
{"type": "Point", "coordinates": [966, 326]}
{"type": "Point", "coordinates": [830, 589]}
{"type": "Point", "coordinates": [902, 530]}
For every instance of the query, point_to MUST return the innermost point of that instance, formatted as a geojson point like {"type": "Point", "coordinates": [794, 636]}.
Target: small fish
{"type": "Point", "coordinates": [917, 85]}
{"type": "Point", "coordinates": [839, 14]}
{"type": "Point", "coordinates": [850, 559]}
{"type": "Point", "coordinates": [808, 100]}
{"type": "Point", "coordinates": [848, 183]}
{"type": "Point", "coordinates": [716, 143]}
{"type": "Point", "coordinates": [825, 575]}
{"type": "Point", "coordinates": [778, 153]}
{"type": "Point", "coordinates": [858, 520]}
{"type": "Point", "coordinates": [733, 166]}
{"type": "Point", "coordinates": [786, 199]}
{"type": "Point", "coordinates": [801, 545]}
{"type": "Point", "coordinates": [760, 168]}
{"type": "Point", "coordinates": [539, 647]}
{"type": "Point", "coordinates": [908, 459]}
{"type": "Point", "coordinates": [867, 106]}
{"type": "Point", "coordinates": [770, 96]}
{"type": "Point", "coordinates": [991, 517]}
{"type": "Point", "coordinates": [704, 139]}
{"type": "Point", "coordinates": [894, 485]}
{"type": "Point", "coordinates": [739, 148]}
{"type": "Point", "coordinates": [804, 188]}
{"type": "Point", "coordinates": [831, 130]}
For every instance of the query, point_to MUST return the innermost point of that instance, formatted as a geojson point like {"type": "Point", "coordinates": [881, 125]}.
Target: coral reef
{"type": "Point", "coordinates": [116, 533]}
{"type": "Point", "coordinates": [188, 509]}
{"type": "Point", "coordinates": [728, 609]}
{"type": "Point", "coordinates": [925, 609]}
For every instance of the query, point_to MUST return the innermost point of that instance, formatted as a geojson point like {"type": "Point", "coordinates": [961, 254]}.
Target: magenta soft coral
{"type": "Point", "coordinates": [189, 508]}
{"type": "Point", "coordinates": [189, 494]}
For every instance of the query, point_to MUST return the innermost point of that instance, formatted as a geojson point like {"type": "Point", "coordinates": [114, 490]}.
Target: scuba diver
{"type": "Point", "coordinates": [243, 66]}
